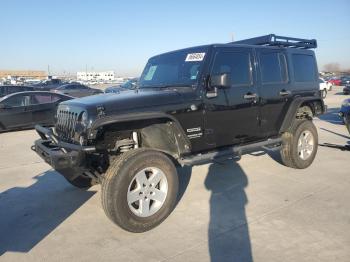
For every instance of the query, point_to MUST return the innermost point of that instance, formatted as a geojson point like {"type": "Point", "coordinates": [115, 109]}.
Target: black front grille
{"type": "Point", "coordinates": [66, 122]}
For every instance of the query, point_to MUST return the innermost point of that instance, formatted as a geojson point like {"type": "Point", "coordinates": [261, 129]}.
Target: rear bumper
{"type": "Point", "coordinates": [68, 159]}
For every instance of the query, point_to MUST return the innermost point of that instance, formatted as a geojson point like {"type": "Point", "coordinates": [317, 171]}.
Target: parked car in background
{"type": "Point", "coordinates": [334, 81]}
{"type": "Point", "coordinates": [324, 87]}
{"type": "Point", "coordinates": [10, 89]}
{"type": "Point", "coordinates": [48, 85]}
{"type": "Point", "coordinates": [26, 109]}
{"type": "Point", "coordinates": [128, 85]}
{"type": "Point", "coordinates": [77, 90]}
{"type": "Point", "coordinates": [347, 121]}
{"type": "Point", "coordinates": [344, 109]}
{"type": "Point", "coordinates": [345, 80]}
{"type": "Point", "coordinates": [346, 90]}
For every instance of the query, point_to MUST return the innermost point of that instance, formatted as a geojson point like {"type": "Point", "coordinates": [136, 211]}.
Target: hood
{"type": "Point", "coordinates": [127, 101]}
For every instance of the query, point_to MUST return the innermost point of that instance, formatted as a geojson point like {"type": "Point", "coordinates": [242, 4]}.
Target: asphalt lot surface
{"type": "Point", "coordinates": [254, 209]}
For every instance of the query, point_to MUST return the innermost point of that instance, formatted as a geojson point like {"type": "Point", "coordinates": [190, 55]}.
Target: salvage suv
{"type": "Point", "coordinates": [192, 106]}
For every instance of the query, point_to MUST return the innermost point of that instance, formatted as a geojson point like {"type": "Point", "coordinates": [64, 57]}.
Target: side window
{"type": "Point", "coordinates": [304, 68]}
{"type": "Point", "coordinates": [18, 100]}
{"type": "Point", "coordinates": [237, 65]}
{"type": "Point", "coordinates": [273, 68]}
{"type": "Point", "coordinates": [41, 99]}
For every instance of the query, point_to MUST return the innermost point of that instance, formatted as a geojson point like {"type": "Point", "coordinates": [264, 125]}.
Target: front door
{"type": "Point", "coordinates": [16, 113]}
{"type": "Point", "coordinates": [231, 114]}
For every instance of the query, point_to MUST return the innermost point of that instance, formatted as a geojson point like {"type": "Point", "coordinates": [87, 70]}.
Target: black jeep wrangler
{"type": "Point", "coordinates": [192, 106]}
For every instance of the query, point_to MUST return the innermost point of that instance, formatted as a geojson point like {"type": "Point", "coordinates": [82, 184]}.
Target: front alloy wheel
{"type": "Point", "coordinates": [147, 192]}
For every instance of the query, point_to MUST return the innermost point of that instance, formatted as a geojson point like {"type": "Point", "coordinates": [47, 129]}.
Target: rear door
{"type": "Point", "coordinates": [16, 115]}
{"type": "Point", "coordinates": [232, 114]}
{"type": "Point", "coordinates": [274, 89]}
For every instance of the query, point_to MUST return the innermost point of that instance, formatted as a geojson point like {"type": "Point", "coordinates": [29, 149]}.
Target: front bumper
{"type": "Point", "coordinates": [68, 159]}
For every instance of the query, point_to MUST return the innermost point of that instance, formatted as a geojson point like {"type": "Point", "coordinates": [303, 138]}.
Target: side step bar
{"type": "Point", "coordinates": [234, 151]}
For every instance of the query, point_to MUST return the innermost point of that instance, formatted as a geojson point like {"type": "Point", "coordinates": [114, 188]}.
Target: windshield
{"type": "Point", "coordinates": [180, 68]}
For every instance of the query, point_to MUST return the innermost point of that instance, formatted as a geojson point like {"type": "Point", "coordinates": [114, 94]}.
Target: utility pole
{"type": "Point", "coordinates": [232, 37]}
{"type": "Point", "coordinates": [48, 70]}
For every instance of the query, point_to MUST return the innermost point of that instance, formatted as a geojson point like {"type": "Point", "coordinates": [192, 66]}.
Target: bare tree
{"type": "Point", "coordinates": [331, 67]}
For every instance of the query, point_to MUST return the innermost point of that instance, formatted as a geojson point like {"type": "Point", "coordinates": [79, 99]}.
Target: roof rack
{"type": "Point", "coordinates": [276, 40]}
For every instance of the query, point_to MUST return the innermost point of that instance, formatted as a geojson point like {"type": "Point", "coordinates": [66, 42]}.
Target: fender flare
{"type": "Point", "coordinates": [293, 108]}
{"type": "Point", "coordinates": [181, 137]}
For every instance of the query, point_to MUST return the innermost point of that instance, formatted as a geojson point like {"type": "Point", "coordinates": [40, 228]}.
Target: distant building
{"type": "Point", "coordinates": [23, 74]}
{"type": "Point", "coordinates": [95, 76]}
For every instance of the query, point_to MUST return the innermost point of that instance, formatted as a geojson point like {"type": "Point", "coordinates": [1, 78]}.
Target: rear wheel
{"type": "Point", "coordinates": [300, 143]}
{"type": "Point", "coordinates": [140, 189]}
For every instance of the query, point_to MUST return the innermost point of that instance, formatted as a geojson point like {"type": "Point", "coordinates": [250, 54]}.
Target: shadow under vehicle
{"type": "Point", "coordinates": [346, 90]}
{"type": "Point", "coordinates": [192, 106]}
{"type": "Point", "coordinates": [27, 109]}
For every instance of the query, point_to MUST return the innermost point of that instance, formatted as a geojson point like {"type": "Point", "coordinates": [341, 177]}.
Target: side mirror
{"type": "Point", "coordinates": [220, 81]}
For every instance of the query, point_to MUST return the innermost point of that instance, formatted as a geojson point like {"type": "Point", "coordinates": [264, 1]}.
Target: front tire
{"type": "Point", "coordinates": [300, 143]}
{"type": "Point", "coordinates": [140, 189]}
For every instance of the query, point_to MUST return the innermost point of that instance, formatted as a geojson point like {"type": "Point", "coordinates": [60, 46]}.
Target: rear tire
{"type": "Point", "coordinates": [140, 189]}
{"type": "Point", "coordinates": [300, 143]}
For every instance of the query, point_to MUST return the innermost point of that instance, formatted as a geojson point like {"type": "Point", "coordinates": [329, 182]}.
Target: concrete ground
{"type": "Point", "coordinates": [255, 209]}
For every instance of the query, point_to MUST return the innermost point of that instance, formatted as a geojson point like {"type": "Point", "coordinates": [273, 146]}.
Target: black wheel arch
{"type": "Point", "coordinates": [315, 104]}
{"type": "Point", "coordinates": [157, 130]}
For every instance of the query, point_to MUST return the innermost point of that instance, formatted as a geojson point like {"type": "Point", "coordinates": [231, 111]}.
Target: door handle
{"type": "Point", "coordinates": [250, 96]}
{"type": "Point", "coordinates": [285, 93]}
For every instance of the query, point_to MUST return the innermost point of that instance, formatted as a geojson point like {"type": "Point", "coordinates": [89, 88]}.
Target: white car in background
{"type": "Point", "coordinates": [324, 87]}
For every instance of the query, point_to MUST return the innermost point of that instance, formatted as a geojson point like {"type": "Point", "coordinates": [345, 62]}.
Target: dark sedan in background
{"type": "Point", "coordinates": [346, 90]}
{"type": "Point", "coordinates": [48, 84]}
{"type": "Point", "coordinates": [345, 80]}
{"type": "Point", "coordinates": [10, 89]}
{"type": "Point", "coordinates": [128, 85]}
{"type": "Point", "coordinates": [344, 113]}
{"type": "Point", "coordinates": [26, 109]}
{"type": "Point", "coordinates": [77, 90]}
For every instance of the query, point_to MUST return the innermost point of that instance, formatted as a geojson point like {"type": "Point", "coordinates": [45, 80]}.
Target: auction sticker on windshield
{"type": "Point", "coordinates": [195, 57]}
